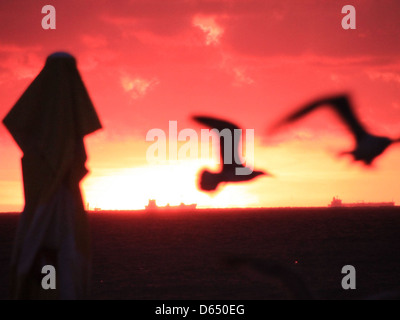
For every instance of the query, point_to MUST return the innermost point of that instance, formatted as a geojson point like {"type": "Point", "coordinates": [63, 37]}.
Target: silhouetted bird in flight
{"type": "Point", "coordinates": [368, 146]}
{"type": "Point", "coordinates": [291, 282]}
{"type": "Point", "coordinates": [262, 270]}
{"type": "Point", "coordinates": [232, 169]}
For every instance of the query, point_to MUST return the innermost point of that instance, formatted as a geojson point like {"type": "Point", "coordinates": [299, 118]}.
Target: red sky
{"type": "Point", "coordinates": [148, 62]}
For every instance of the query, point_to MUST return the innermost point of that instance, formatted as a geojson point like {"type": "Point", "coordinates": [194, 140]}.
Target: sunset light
{"type": "Point", "coordinates": [147, 66]}
{"type": "Point", "coordinates": [200, 154]}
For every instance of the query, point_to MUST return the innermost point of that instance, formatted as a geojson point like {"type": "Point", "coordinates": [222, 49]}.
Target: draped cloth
{"type": "Point", "coordinates": [49, 123]}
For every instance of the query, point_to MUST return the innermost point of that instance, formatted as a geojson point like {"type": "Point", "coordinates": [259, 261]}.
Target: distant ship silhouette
{"type": "Point", "coordinates": [152, 206]}
{"type": "Point", "coordinates": [337, 203]}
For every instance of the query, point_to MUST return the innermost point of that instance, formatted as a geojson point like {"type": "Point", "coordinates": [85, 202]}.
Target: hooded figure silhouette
{"type": "Point", "coordinates": [49, 122]}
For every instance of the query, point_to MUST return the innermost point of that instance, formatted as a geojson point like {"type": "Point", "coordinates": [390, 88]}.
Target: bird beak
{"type": "Point", "coordinates": [268, 174]}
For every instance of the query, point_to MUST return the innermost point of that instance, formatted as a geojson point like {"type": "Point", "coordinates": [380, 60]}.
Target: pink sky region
{"type": "Point", "coordinates": [148, 62]}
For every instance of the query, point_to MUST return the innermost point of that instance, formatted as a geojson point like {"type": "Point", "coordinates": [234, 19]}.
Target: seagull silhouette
{"type": "Point", "coordinates": [293, 284]}
{"type": "Point", "coordinates": [368, 146]}
{"type": "Point", "coordinates": [261, 270]}
{"type": "Point", "coordinates": [230, 171]}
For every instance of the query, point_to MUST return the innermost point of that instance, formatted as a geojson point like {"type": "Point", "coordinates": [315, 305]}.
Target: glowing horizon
{"type": "Point", "coordinates": [147, 62]}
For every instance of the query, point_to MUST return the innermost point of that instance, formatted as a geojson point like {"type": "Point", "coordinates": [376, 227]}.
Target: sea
{"type": "Point", "coordinates": [237, 254]}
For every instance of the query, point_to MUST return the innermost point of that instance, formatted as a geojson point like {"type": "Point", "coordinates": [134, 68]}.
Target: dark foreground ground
{"type": "Point", "coordinates": [183, 255]}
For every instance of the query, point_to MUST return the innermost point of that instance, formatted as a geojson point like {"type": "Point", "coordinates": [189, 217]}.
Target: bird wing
{"type": "Point", "coordinates": [342, 107]}
{"type": "Point", "coordinates": [235, 136]}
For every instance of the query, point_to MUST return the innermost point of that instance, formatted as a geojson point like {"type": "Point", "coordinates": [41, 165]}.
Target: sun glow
{"type": "Point", "coordinates": [172, 183]}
